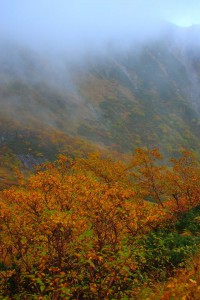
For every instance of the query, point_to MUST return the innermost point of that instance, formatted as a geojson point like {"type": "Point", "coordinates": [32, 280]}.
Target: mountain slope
{"type": "Point", "coordinates": [144, 98]}
{"type": "Point", "coordinates": [144, 95]}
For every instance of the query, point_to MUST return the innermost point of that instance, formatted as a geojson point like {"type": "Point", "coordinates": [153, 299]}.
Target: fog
{"type": "Point", "coordinates": [74, 26]}
{"type": "Point", "coordinates": [60, 59]}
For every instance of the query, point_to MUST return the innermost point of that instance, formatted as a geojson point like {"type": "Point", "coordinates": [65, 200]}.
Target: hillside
{"type": "Point", "coordinates": [149, 96]}
{"type": "Point", "coordinates": [99, 218]}
{"type": "Point", "coordinates": [144, 94]}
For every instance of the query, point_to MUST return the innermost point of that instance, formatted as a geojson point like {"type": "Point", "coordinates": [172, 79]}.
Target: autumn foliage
{"type": "Point", "coordinates": [73, 230]}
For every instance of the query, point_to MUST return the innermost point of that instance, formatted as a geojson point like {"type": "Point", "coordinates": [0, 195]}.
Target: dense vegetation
{"type": "Point", "coordinates": [95, 228]}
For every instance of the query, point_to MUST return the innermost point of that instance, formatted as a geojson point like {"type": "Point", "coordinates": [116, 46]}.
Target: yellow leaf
{"type": "Point", "coordinates": [193, 281]}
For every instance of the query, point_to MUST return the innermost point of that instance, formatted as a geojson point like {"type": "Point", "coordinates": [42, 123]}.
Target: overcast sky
{"type": "Point", "coordinates": [72, 21]}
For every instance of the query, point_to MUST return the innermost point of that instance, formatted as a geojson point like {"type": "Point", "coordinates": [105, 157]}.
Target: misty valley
{"type": "Point", "coordinates": [100, 170]}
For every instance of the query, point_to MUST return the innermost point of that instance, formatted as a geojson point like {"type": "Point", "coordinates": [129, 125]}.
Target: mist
{"type": "Point", "coordinates": [62, 62]}
{"type": "Point", "coordinates": [83, 25]}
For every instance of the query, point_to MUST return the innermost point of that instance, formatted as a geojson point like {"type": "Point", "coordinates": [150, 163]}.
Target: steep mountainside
{"type": "Point", "coordinates": [144, 95]}
{"type": "Point", "coordinates": [150, 98]}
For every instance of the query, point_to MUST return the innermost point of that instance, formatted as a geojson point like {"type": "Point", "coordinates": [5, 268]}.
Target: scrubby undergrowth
{"type": "Point", "coordinates": [94, 228]}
